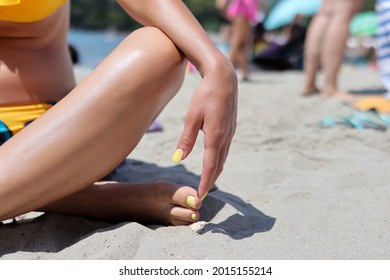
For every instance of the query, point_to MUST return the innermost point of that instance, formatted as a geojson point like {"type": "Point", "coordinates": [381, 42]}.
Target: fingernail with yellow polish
{"type": "Point", "coordinates": [178, 155]}
{"type": "Point", "coordinates": [193, 217]}
{"type": "Point", "coordinates": [204, 196]}
{"type": "Point", "coordinates": [191, 201]}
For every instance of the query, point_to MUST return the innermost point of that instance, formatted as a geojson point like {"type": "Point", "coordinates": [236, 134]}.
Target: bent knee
{"type": "Point", "coordinates": [157, 46]}
{"type": "Point", "coordinates": [152, 60]}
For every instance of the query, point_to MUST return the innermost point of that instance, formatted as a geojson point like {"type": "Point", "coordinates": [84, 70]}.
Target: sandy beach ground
{"type": "Point", "coordinates": [290, 189]}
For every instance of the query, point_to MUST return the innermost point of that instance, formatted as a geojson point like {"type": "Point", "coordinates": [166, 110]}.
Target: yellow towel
{"type": "Point", "coordinates": [379, 103]}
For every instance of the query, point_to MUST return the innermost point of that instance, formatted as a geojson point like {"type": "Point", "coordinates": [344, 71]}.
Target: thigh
{"type": "Point", "coordinates": [328, 7]}
{"type": "Point", "coordinates": [241, 31]}
{"type": "Point", "coordinates": [347, 7]}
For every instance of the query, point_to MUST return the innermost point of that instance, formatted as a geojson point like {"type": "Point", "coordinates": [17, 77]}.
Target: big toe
{"type": "Point", "coordinates": [187, 197]}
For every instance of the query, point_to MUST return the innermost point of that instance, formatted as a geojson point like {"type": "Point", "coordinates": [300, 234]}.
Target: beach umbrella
{"type": "Point", "coordinates": [364, 23]}
{"type": "Point", "coordinates": [284, 12]}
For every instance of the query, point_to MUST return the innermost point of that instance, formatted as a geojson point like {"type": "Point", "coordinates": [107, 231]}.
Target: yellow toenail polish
{"type": "Point", "coordinates": [178, 155]}
{"type": "Point", "coordinates": [204, 196]}
{"type": "Point", "coordinates": [191, 201]}
{"type": "Point", "coordinates": [193, 217]}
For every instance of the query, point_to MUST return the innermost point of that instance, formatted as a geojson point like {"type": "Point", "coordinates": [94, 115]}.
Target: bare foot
{"type": "Point", "coordinates": [157, 203]}
{"type": "Point", "coordinates": [310, 91]}
{"type": "Point", "coordinates": [340, 95]}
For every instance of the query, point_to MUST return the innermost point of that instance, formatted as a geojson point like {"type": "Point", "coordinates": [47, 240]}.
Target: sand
{"type": "Point", "coordinates": [290, 189]}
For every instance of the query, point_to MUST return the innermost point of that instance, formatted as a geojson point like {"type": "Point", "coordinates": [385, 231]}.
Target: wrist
{"type": "Point", "coordinates": [219, 65]}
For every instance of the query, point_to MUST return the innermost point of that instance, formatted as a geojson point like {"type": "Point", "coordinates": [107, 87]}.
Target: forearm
{"type": "Point", "coordinates": [178, 23]}
{"type": "Point", "coordinates": [213, 108]}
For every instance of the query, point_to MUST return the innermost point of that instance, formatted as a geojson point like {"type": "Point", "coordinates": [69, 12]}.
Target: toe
{"type": "Point", "coordinates": [183, 216]}
{"type": "Point", "coordinates": [187, 197]}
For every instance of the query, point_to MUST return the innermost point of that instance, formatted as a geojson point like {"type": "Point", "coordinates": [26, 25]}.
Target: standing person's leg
{"type": "Point", "coordinates": [313, 47]}
{"type": "Point", "coordinates": [90, 131]}
{"type": "Point", "coordinates": [334, 46]}
{"type": "Point", "coordinates": [241, 32]}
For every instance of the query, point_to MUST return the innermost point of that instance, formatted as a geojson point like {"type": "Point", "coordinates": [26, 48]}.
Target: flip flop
{"type": "Point", "coordinates": [370, 119]}
{"type": "Point", "coordinates": [328, 122]}
{"type": "Point", "coordinates": [361, 120]}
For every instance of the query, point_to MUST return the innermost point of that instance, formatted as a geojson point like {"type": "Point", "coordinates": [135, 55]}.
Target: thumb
{"type": "Point", "coordinates": [186, 141]}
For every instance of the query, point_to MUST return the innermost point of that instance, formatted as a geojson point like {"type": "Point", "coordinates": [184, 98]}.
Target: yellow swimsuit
{"type": "Point", "coordinates": [14, 118]}
{"type": "Point", "coordinates": [28, 10]}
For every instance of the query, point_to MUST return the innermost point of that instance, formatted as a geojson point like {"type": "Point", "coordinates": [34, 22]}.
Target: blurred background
{"type": "Point", "coordinates": [97, 26]}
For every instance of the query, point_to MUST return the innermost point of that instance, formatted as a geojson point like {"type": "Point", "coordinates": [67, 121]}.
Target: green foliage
{"type": "Point", "coordinates": [368, 5]}
{"type": "Point", "coordinates": [103, 14]}
{"type": "Point", "coordinates": [205, 12]}
{"type": "Point", "coordinates": [100, 14]}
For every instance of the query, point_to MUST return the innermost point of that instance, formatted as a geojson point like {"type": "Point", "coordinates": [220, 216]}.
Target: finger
{"type": "Point", "coordinates": [221, 162]}
{"type": "Point", "coordinates": [222, 157]}
{"type": "Point", "coordinates": [187, 139]}
{"type": "Point", "coordinates": [210, 165]}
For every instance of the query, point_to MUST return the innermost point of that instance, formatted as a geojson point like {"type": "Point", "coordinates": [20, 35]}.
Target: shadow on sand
{"type": "Point", "coordinates": [40, 235]}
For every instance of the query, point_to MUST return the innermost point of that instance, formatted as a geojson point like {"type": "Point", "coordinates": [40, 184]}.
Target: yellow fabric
{"type": "Point", "coordinates": [17, 117]}
{"type": "Point", "coordinates": [28, 10]}
{"type": "Point", "coordinates": [9, 2]}
{"type": "Point", "coordinates": [379, 103]}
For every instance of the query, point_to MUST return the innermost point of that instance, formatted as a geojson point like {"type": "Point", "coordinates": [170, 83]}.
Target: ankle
{"type": "Point", "coordinates": [329, 91]}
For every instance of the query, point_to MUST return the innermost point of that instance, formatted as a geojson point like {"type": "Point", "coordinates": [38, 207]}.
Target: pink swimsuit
{"type": "Point", "coordinates": [245, 8]}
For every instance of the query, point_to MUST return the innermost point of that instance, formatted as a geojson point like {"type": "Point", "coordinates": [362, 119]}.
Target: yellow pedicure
{"type": "Point", "coordinates": [193, 217]}
{"type": "Point", "coordinates": [191, 201]}
{"type": "Point", "coordinates": [178, 155]}
{"type": "Point", "coordinates": [204, 196]}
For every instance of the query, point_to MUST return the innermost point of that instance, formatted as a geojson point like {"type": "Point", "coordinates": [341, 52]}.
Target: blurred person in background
{"type": "Point", "coordinates": [325, 46]}
{"type": "Point", "coordinates": [224, 25]}
{"type": "Point", "coordinates": [242, 15]}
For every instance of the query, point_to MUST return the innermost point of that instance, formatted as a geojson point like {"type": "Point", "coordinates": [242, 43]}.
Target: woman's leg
{"type": "Point", "coordinates": [313, 48]}
{"type": "Point", "coordinates": [334, 45]}
{"type": "Point", "coordinates": [241, 32]}
{"type": "Point", "coordinates": [157, 203]}
{"type": "Point", "coordinates": [93, 128]}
